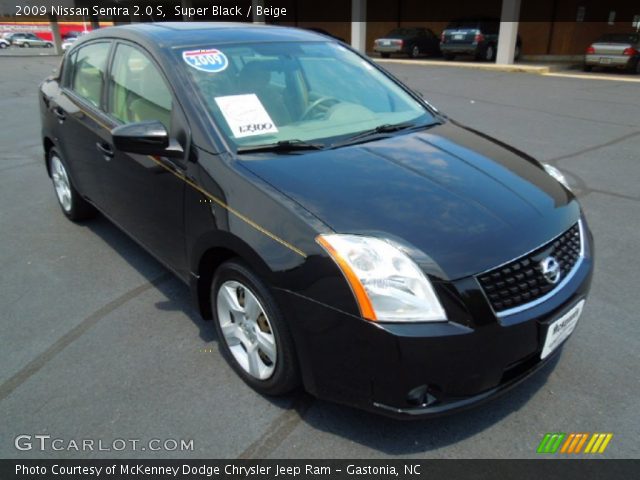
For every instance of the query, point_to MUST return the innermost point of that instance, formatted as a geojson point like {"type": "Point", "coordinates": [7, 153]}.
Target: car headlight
{"type": "Point", "coordinates": [387, 284]}
{"type": "Point", "coordinates": [557, 174]}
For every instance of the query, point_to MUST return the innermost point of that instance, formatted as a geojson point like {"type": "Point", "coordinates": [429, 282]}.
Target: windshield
{"type": "Point", "coordinates": [295, 92]}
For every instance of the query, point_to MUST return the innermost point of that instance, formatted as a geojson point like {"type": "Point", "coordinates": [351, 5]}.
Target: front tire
{"type": "Point", "coordinates": [252, 333]}
{"type": "Point", "coordinates": [74, 207]}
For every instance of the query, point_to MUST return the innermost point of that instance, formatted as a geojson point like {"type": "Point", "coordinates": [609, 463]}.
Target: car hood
{"type": "Point", "coordinates": [467, 201]}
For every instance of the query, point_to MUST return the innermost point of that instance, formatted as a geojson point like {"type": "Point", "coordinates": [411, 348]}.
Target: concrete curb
{"type": "Point", "coordinates": [538, 69]}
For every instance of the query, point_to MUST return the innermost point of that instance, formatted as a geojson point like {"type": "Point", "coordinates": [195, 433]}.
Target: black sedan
{"type": "Point", "coordinates": [414, 41]}
{"type": "Point", "coordinates": [342, 233]}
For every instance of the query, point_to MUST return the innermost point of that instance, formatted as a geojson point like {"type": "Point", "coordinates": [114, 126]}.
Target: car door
{"type": "Point", "coordinates": [82, 125]}
{"type": "Point", "coordinates": [33, 40]}
{"type": "Point", "coordinates": [144, 194]}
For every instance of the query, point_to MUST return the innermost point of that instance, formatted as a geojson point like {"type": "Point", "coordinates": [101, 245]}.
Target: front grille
{"type": "Point", "coordinates": [521, 281]}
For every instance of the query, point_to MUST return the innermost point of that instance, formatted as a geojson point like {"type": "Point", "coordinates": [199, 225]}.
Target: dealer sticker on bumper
{"type": "Point", "coordinates": [560, 329]}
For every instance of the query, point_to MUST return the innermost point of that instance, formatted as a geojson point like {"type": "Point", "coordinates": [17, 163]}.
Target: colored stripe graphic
{"type": "Point", "coordinates": [598, 443]}
{"type": "Point", "coordinates": [573, 443]}
{"type": "Point", "coordinates": [551, 442]}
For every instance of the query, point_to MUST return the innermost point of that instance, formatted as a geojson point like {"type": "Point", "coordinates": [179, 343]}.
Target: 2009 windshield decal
{"type": "Point", "coordinates": [210, 60]}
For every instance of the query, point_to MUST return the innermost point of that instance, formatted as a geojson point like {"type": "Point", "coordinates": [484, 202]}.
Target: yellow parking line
{"type": "Point", "coordinates": [613, 78]}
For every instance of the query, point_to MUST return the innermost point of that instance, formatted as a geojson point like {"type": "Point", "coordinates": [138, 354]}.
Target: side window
{"type": "Point", "coordinates": [137, 91]}
{"type": "Point", "coordinates": [88, 72]}
{"type": "Point", "coordinates": [68, 63]}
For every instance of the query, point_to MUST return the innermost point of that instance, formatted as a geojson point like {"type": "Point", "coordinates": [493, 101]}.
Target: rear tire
{"type": "Point", "coordinates": [385, 55]}
{"type": "Point", "coordinates": [414, 52]}
{"type": "Point", "coordinates": [448, 56]}
{"type": "Point", "coordinates": [587, 68]}
{"type": "Point", "coordinates": [74, 207]}
{"type": "Point", "coordinates": [490, 53]}
{"type": "Point", "coordinates": [252, 333]}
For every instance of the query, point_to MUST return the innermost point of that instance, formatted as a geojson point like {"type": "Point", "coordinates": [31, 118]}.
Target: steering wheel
{"type": "Point", "coordinates": [316, 104]}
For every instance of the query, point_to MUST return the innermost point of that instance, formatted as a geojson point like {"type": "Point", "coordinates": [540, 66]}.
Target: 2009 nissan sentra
{"type": "Point", "coordinates": [342, 234]}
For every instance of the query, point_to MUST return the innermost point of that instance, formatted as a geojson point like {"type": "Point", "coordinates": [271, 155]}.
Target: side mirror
{"type": "Point", "coordinates": [145, 138]}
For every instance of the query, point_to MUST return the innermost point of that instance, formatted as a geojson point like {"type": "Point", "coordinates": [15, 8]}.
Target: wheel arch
{"type": "Point", "coordinates": [47, 145]}
{"type": "Point", "coordinates": [212, 251]}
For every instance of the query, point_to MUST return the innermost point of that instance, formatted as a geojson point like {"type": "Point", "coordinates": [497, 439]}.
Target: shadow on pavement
{"type": "Point", "coordinates": [394, 437]}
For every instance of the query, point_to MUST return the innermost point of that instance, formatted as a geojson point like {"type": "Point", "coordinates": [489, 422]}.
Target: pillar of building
{"type": "Point", "coordinates": [508, 35]}
{"type": "Point", "coordinates": [254, 11]}
{"type": "Point", "coordinates": [186, 4]}
{"type": "Point", "coordinates": [95, 22]}
{"type": "Point", "coordinates": [55, 34]}
{"type": "Point", "coordinates": [359, 25]}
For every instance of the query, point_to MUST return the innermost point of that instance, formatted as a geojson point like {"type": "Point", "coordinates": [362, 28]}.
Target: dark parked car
{"type": "Point", "coordinates": [408, 41]}
{"type": "Point", "coordinates": [473, 37]}
{"type": "Point", "coordinates": [341, 232]}
{"type": "Point", "coordinates": [614, 50]}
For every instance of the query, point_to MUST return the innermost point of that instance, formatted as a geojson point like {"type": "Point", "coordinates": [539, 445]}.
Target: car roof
{"type": "Point", "coordinates": [175, 34]}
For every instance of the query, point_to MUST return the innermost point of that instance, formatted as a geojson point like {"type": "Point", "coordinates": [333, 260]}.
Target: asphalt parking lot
{"type": "Point", "coordinates": [100, 342]}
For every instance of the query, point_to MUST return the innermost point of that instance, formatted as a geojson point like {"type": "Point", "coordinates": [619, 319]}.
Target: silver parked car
{"type": "Point", "coordinates": [27, 40]}
{"type": "Point", "coordinates": [614, 50]}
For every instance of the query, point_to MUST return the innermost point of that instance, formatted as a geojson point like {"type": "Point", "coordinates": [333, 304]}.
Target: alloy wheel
{"type": "Point", "coordinates": [246, 329]}
{"type": "Point", "coordinates": [61, 183]}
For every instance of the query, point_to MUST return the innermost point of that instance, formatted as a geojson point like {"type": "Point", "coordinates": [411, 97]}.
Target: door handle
{"type": "Point", "coordinates": [106, 150]}
{"type": "Point", "coordinates": [60, 113]}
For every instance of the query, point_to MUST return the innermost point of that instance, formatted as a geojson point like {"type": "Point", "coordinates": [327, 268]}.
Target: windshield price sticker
{"type": "Point", "coordinates": [210, 60]}
{"type": "Point", "coordinates": [245, 115]}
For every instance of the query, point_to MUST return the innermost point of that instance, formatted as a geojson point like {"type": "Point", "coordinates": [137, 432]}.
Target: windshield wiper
{"type": "Point", "coordinates": [282, 146]}
{"type": "Point", "coordinates": [381, 130]}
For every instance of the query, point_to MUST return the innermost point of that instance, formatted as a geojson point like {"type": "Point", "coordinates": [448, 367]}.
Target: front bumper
{"type": "Point", "coordinates": [451, 365]}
